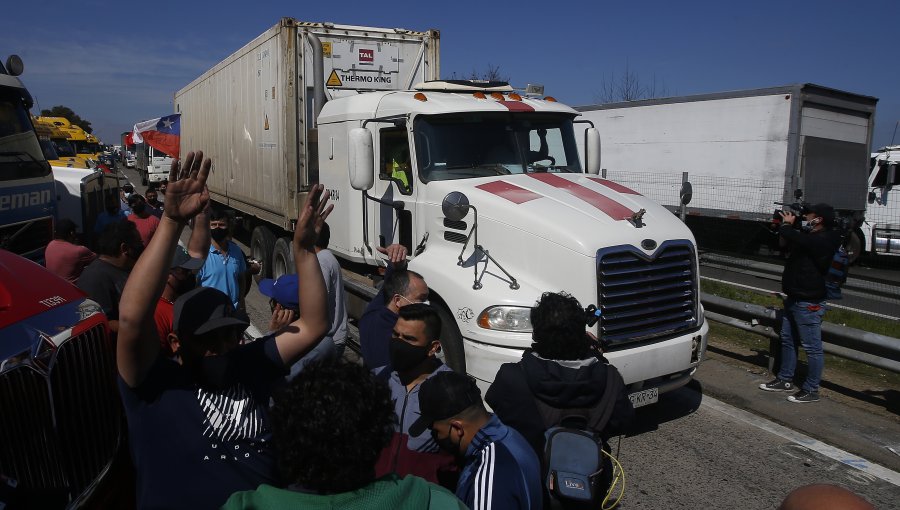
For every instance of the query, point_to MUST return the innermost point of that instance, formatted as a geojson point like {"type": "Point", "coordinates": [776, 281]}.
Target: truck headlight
{"type": "Point", "coordinates": [506, 318]}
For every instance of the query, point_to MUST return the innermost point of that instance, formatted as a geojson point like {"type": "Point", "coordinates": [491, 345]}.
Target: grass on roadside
{"type": "Point", "coordinates": [847, 318]}
{"type": "Point", "coordinates": [746, 341]}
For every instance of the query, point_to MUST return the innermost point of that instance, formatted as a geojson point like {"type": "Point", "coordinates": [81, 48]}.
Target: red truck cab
{"type": "Point", "coordinates": [61, 419]}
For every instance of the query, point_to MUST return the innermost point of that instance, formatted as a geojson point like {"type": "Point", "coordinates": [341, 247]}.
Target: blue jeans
{"type": "Point", "coordinates": [802, 320]}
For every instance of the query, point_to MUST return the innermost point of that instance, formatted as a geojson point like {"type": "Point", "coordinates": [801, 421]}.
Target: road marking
{"type": "Point", "coordinates": [815, 445]}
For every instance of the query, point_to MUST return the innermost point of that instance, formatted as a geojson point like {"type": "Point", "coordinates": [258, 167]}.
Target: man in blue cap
{"type": "Point", "coordinates": [283, 294]}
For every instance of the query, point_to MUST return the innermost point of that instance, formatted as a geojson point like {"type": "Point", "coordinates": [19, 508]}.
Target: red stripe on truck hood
{"type": "Point", "coordinates": [516, 106]}
{"type": "Point", "coordinates": [609, 206]}
{"type": "Point", "coordinates": [509, 191]}
{"type": "Point", "coordinates": [615, 186]}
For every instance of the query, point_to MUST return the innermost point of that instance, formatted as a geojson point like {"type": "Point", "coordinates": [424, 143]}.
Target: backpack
{"type": "Point", "coordinates": [837, 273]}
{"type": "Point", "coordinates": [576, 463]}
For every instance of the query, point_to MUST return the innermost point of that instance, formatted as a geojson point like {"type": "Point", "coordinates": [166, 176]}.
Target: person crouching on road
{"type": "Point", "coordinates": [199, 426]}
{"type": "Point", "coordinates": [811, 250]}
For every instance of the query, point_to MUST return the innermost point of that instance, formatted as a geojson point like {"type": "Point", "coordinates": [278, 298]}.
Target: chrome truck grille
{"type": "Point", "coordinates": [61, 426]}
{"type": "Point", "coordinates": [643, 298]}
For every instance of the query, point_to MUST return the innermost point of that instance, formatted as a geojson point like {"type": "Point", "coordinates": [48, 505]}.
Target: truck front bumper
{"type": "Point", "coordinates": [666, 364]}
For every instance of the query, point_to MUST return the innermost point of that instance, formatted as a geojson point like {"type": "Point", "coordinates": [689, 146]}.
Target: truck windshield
{"type": "Point", "coordinates": [20, 152]}
{"type": "Point", "coordinates": [63, 148]}
{"type": "Point", "coordinates": [480, 145]}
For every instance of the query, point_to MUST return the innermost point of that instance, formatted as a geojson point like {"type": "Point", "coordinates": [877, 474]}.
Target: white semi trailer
{"type": "Point", "coordinates": [742, 151]}
{"type": "Point", "coordinates": [360, 110]}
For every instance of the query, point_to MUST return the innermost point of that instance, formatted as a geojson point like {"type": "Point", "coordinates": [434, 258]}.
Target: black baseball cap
{"type": "Point", "coordinates": [444, 395]}
{"type": "Point", "coordinates": [205, 309]}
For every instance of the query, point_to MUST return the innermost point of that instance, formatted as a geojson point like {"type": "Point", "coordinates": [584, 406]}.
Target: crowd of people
{"type": "Point", "coordinates": [215, 420]}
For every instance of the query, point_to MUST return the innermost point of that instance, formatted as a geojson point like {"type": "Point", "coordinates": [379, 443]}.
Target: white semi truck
{"type": "Point", "coordinates": [484, 186]}
{"type": "Point", "coordinates": [882, 223]}
{"type": "Point", "coordinates": [742, 151]}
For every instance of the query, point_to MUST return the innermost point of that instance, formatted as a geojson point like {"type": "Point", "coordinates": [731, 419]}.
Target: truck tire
{"type": "Point", "coordinates": [282, 258]}
{"type": "Point", "coordinates": [855, 246]}
{"type": "Point", "coordinates": [262, 244]}
{"type": "Point", "coordinates": [452, 351]}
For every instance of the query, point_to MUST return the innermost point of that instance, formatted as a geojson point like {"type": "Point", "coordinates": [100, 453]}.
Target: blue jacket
{"type": "Point", "coordinates": [375, 328]}
{"type": "Point", "coordinates": [501, 471]}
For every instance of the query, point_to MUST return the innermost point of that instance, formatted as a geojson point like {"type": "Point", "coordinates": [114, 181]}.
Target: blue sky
{"type": "Point", "coordinates": [116, 63]}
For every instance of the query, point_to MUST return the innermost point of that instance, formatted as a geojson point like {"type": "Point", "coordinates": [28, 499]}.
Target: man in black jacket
{"type": "Point", "coordinates": [811, 250]}
{"type": "Point", "coordinates": [565, 370]}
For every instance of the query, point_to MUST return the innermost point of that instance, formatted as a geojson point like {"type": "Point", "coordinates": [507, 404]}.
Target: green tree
{"type": "Point", "coordinates": [66, 112]}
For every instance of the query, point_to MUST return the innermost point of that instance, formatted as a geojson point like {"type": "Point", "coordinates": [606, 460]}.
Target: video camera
{"type": "Point", "coordinates": [797, 208]}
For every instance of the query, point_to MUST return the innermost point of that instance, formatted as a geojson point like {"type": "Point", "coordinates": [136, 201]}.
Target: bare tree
{"type": "Point", "coordinates": [492, 73]}
{"type": "Point", "coordinates": [629, 87]}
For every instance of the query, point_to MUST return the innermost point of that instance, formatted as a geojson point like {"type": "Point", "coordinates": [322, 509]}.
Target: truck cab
{"type": "Point", "coordinates": [882, 226]}
{"type": "Point", "coordinates": [26, 183]}
{"type": "Point", "coordinates": [486, 189]}
{"type": "Point", "coordinates": [62, 419]}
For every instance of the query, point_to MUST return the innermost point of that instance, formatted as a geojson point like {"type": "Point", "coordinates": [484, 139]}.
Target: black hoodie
{"type": "Point", "coordinates": [559, 383]}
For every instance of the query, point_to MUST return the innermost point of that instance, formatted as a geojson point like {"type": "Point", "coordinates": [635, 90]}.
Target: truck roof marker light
{"type": "Point", "coordinates": [420, 96]}
{"type": "Point", "coordinates": [498, 96]}
{"type": "Point", "coordinates": [515, 97]}
{"type": "Point", "coordinates": [550, 99]}
{"type": "Point", "coordinates": [479, 95]}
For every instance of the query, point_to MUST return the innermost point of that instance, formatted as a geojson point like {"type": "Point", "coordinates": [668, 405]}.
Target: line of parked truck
{"type": "Point", "coordinates": [499, 194]}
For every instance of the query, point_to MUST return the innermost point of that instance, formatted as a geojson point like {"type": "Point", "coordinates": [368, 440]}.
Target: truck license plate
{"type": "Point", "coordinates": [644, 397]}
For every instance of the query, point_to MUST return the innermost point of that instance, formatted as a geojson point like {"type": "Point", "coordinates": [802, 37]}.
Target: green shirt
{"type": "Point", "coordinates": [389, 493]}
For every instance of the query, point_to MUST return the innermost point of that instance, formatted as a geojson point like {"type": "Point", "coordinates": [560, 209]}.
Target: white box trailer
{"type": "Point", "coordinates": [309, 102]}
{"type": "Point", "coordinates": [260, 105]}
{"type": "Point", "coordinates": [743, 150]}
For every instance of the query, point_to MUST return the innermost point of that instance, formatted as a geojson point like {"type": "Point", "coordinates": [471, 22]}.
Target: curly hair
{"type": "Point", "coordinates": [558, 328]}
{"type": "Point", "coordinates": [329, 426]}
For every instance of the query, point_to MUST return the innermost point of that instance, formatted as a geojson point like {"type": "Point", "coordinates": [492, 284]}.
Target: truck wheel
{"type": "Point", "coordinates": [855, 246]}
{"type": "Point", "coordinates": [282, 258]}
{"type": "Point", "coordinates": [262, 243]}
{"type": "Point", "coordinates": [452, 352]}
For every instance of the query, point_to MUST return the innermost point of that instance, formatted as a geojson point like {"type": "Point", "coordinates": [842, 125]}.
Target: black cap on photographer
{"type": "Point", "coordinates": [822, 210]}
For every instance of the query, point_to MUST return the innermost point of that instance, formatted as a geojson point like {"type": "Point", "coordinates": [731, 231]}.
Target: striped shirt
{"type": "Point", "coordinates": [501, 471]}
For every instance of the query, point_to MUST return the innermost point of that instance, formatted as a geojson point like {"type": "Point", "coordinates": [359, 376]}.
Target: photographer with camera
{"type": "Point", "coordinates": [811, 249]}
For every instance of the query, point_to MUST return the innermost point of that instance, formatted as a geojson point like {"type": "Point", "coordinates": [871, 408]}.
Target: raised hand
{"type": "Point", "coordinates": [396, 253]}
{"type": "Point", "coordinates": [312, 217]}
{"type": "Point", "coordinates": [186, 193]}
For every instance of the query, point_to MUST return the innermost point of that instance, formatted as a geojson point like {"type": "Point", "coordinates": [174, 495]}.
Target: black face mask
{"type": "Point", "coordinates": [134, 252]}
{"type": "Point", "coordinates": [184, 286]}
{"type": "Point", "coordinates": [219, 234]}
{"type": "Point", "coordinates": [212, 372]}
{"type": "Point", "coordinates": [405, 356]}
{"type": "Point", "coordinates": [447, 444]}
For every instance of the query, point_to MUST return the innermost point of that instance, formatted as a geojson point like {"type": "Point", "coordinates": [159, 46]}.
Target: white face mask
{"type": "Point", "coordinates": [128, 195]}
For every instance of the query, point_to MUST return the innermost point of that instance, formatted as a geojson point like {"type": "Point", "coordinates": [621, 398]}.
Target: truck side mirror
{"type": "Point", "coordinates": [592, 151]}
{"type": "Point", "coordinates": [361, 164]}
{"type": "Point", "coordinates": [455, 206]}
{"type": "Point", "coordinates": [872, 197]}
{"type": "Point", "coordinates": [687, 193]}
{"type": "Point", "coordinates": [891, 177]}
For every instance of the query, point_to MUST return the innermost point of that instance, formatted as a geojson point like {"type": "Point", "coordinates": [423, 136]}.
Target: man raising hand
{"type": "Point", "coordinates": [199, 425]}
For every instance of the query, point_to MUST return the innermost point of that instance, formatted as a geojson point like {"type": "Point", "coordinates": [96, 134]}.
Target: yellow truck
{"type": "Point", "coordinates": [77, 137]}
{"type": "Point", "coordinates": [55, 145]}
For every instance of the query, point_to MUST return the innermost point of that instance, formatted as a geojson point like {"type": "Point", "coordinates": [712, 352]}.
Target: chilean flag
{"type": "Point", "coordinates": [162, 134]}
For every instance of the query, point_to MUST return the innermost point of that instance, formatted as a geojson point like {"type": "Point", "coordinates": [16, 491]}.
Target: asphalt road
{"type": "Point", "coordinates": [716, 443]}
